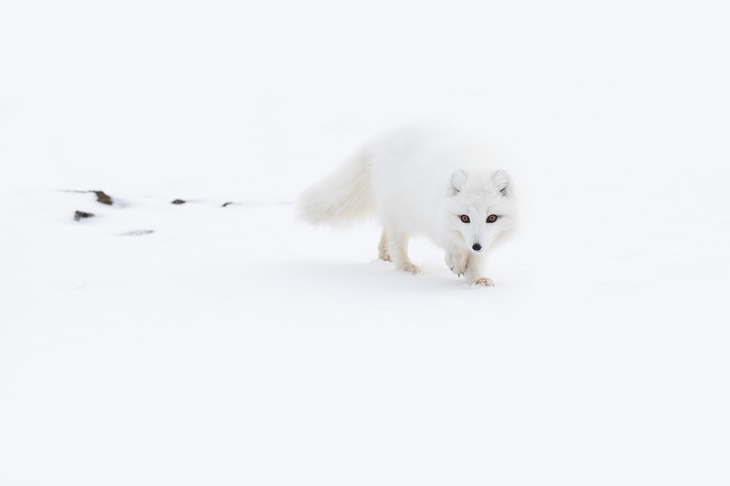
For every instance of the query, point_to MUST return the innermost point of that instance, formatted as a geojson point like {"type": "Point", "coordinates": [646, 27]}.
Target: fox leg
{"type": "Point", "coordinates": [383, 253]}
{"type": "Point", "coordinates": [457, 261]}
{"type": "Point", "coordinates": [474, 270]}
{"type": "Point", "coordinates": [398, 249]}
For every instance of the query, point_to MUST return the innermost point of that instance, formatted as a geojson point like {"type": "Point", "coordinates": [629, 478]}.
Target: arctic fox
{"type": "Point", "coordinates": [421, 180]}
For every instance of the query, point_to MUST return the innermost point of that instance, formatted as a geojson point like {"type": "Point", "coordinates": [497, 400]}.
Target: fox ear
{"type": "Point", "coordinates": [502, 182]}
{"type": "Point", "coordinates": [457, 181]}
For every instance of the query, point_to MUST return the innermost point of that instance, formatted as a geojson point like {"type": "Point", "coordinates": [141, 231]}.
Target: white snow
{"type": "Point", "coordinates": [235, 345]}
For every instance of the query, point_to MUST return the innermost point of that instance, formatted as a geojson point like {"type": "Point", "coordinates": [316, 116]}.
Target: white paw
{"type": "Point", "coordinates": [457, 263]}
{"type": "Point", "coordinates": [410, 268]}
{"type": "Point", "coordinates": [484, 281]}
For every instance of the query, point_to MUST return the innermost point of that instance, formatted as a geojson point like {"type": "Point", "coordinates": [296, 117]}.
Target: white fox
{"type": "Point", "coordinates": [421, 180]}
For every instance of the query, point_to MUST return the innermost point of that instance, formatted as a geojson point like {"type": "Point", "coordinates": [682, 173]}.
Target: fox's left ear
{"type": "Point", "coordinates": [502, 182]}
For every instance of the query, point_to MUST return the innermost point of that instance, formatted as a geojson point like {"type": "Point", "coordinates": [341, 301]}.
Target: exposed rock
{"type": "Point", "coordinates": [103, 198]}
{"type": "Point", "coordinates": [79, 215]}
{"type": "Point", "coordinates": [179, 201]}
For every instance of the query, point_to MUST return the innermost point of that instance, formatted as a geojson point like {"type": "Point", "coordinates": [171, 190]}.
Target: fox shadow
{"type": "Point", "coordinates": [372, 277]}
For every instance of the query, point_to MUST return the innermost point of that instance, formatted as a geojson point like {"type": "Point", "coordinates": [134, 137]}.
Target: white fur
{"type": "Point", "coordinates": [419, 180]}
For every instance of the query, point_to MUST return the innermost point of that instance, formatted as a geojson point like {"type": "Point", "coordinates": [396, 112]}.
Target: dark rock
{"type": "Point", "coordinates": [79, 215]}
{"type": "Point", "coordinates": [103, 198]}
{"type": "Point", "coordinates": [227, 204]}
{"type": "Point", "coordinates": [179, 201]}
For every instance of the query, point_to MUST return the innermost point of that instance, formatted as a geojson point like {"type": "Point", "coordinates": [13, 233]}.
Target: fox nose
{"type": "Point", "coordinates": [476, 247]}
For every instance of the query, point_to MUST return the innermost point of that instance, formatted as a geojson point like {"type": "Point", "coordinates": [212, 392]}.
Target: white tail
{"type": "Point", "coordinates": [343, 197]}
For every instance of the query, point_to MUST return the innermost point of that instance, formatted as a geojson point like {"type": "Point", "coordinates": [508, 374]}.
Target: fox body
{"type": "Point", "coordinates": [421, 180]}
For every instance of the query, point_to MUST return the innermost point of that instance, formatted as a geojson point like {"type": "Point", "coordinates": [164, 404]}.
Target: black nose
{"type": "Point", "coordinates": [476, 247]}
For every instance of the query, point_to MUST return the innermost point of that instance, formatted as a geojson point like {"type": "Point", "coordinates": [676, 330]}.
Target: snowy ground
{"type": "Point", "coordinates": [200, 344]}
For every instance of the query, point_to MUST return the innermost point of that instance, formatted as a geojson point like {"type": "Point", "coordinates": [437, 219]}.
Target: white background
{"type": "Point", "coordinates": [237, 346]}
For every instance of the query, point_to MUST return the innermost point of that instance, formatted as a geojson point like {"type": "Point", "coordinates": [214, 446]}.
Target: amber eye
{"type": "Point", "coordinates": [464, 218]}
{"type": "Point", "coordinates": [492, 218]}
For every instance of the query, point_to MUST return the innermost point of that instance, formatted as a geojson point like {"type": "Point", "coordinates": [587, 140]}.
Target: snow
{"type": "Point", "coordinates": [199, 344]}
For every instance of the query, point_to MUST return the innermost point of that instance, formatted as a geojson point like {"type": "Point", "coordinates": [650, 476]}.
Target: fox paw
{"type": "Point", "coordinates": [410, 268]}
{"type": "Point", "coordinates": [484, 281]}
{"type": "Point", "coordinates": [457, 263]}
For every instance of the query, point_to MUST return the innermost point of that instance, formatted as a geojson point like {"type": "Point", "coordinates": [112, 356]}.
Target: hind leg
{"type": "Point", "coordinates": [398, 249]}
{"type": "Point", "coordinates": [383, 252]}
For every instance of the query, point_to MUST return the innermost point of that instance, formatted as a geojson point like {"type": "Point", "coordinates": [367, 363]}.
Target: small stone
{"type": "Point", "coordinates": [79, 215]}
{"type": "Point", "coordinates": [103, 198]}
{"type": "Point", "coordinates": [226, 204]}
{"type": "Point", "coordinates": [179, 201]}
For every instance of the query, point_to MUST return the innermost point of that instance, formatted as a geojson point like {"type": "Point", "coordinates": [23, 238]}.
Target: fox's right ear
{"type": "Point", "coordinates": [457, 181]}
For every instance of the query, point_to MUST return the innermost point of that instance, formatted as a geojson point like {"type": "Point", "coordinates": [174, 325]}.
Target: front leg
{"type": "Point", "coordinates": [457, 261]}
{"type": "Point", "coordinates": [474, 271]}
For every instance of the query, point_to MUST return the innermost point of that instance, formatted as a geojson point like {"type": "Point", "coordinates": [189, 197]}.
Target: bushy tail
{"type": "Point", "coordinates": [343, 197]}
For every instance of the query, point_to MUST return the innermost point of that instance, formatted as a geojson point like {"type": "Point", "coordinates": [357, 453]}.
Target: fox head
{"type": "Point", "coordinates": [479, 208]}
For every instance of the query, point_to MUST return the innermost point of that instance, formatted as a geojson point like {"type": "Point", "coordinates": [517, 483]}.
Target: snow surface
{"type": "Point", "coordinates": [198, 344]}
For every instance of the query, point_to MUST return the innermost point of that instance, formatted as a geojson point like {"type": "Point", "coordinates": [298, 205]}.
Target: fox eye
{"type": "Point", "coordinates": [464, 218]}
{"type": "Point", "coordinates": [492, 218]}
